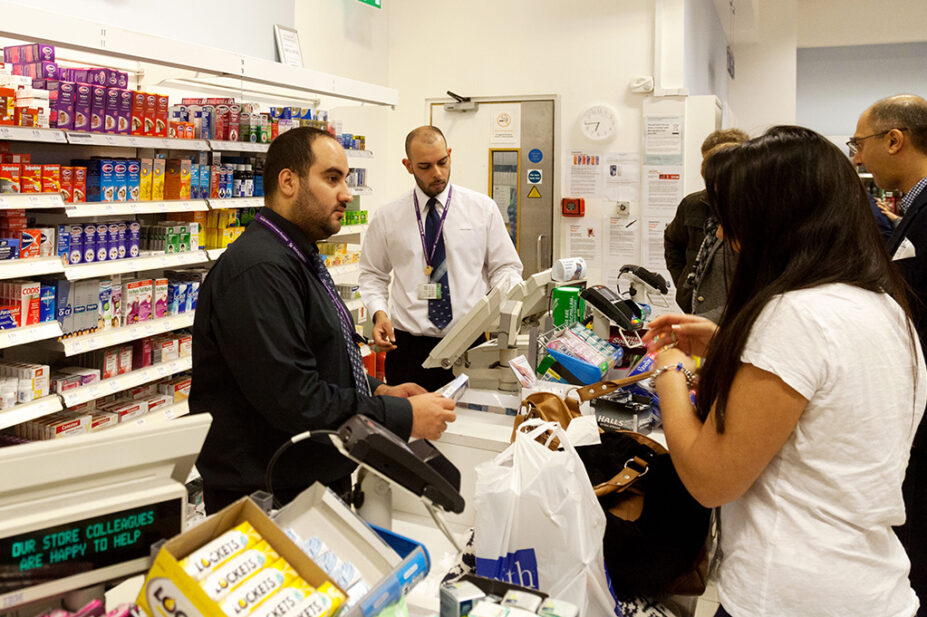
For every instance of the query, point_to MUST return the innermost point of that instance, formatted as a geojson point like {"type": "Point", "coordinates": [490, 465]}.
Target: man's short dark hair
{"type": "Point", "coordinates": [292, 150]}
{"type": "Point", "coordinates": [903, 111]}
{"type": "Point", "coordinates": [723, 136]}
{"type": "Point", "coordinates": [429, 133]}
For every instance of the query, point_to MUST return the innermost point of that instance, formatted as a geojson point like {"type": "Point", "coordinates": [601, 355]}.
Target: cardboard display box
{"type": "Point", "coordinates": [390, 564]}
{"type": "Point", "coordinates": [168, 590]}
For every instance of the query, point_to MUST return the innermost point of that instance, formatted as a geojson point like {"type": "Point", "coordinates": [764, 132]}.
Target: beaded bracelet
{"type": "Point", "coordinates": [690, 377]}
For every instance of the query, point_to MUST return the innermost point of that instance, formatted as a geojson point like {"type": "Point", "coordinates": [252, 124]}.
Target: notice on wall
{"type": "Point", "coordinates": [585, 174]}
{"type": "Point", "coordinates": [622, 172]}
{"type": "Point", "coordinates": [505, 129]}
{"type": "Point", "coordinates": [584, 239]}
{"type": "Point", "coordinates": [622, 246]}
{"type": "Point", "coordinates": [662, 190]}
{"type": "Point", "coordinates": [663, 135]}
{"type": "Point", "coordinates": [652, 256]}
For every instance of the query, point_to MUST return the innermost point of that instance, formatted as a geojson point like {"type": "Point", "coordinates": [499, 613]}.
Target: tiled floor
{"type": "Point", "coordinates": [708, 603]}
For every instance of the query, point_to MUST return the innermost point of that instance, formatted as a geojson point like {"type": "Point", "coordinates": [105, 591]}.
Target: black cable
{"type": "Point", "coordinates": [269, 471]}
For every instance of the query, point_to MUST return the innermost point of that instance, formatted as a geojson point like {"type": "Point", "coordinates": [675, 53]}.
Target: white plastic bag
{"type": "Point", "coordinates": [538, 523]}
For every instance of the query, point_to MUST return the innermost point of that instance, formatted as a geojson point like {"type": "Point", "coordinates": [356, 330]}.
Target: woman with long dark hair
{"type": "Point", "coordinates": [811, 391]}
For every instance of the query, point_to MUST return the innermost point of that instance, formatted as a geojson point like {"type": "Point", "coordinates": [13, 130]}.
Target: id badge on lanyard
{"type": "Point", "coordinates": [429, 291]}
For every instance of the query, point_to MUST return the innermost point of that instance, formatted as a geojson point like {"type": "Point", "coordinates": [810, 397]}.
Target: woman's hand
{"type": "Point", "coordinates": [690, 334]}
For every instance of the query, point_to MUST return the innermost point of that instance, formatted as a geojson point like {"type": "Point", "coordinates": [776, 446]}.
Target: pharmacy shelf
{"type": "Point", "coordinates": [30, 411]}
{"type": "Point", "coordinates": [344, 274]}
{"type": "Point", "coordinates": [29, 334]}
{"type": "Point", "coordinates": [236, 202]}
{"type": "Point", "coordinates": [156, 261]}
{"type": "Point", "coordinates": [128, 380]}
{"type": "Point", "coordinates": [135, 141]}
{"type": "Point", "coordinates": [237, 146]}
{"type": "Point", "coordinates": [349, 230]}
{"type": "Point", "coordinates": [361, 190]}
{"type": "Point", "coordinates": [116, 336]}
{"type": "Point", "coordinates": [162, 414]}
{"type": "Point", "coordinates": [214, 254]}
{"type": "Point", "coordinates": [26, 268]}
{"type": "Point", "coordinates": [27, 133]}
{"type": "Point", "coordinates": [136, 207]}
{"type": "Point", "coordinates": [361, 154]}
{"type": "Point", "coordinates": [32, 201]}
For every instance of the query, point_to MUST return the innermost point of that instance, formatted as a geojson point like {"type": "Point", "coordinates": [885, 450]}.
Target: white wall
{"type": "Point", "coordinates": [763, 91]}
{"type": "Point", "coordinates": [830, 23]}
{"type": "Point", "coordinates": [242, 26]}
{"type": "Point", "coordinates": [835, 84]}
{"type": "Point", "coordinates": [350, 39]}
{"type": "Point", "coordinates": [706, 51]}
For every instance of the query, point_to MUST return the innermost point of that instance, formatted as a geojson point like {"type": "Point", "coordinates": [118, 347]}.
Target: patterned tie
{"type": "Point", "coordinates": [347, 326]}
{"type": "Point", "coordinates": [439, 311]}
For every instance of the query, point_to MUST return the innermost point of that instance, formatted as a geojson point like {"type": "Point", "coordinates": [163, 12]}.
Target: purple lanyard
{"type": "Point", "coordinates": [269, 224]}
{"type": "Point", "coordinates": [421, 230]}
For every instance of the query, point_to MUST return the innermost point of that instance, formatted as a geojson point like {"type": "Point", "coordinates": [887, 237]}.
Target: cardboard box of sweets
{"type": "Point", "coordinates": [168, 589]}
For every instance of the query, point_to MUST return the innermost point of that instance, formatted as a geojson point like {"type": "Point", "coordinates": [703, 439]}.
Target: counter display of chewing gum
{"type": "Point", "coordinates": [237, 563]}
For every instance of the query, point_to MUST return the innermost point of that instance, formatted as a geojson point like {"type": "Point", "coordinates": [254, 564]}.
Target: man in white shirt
{"type": "Point", "coordinates": [446, 245]}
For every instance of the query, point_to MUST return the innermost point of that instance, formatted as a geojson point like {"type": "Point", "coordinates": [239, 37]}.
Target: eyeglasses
{"type": "Point", "coordinates": [853, 142]}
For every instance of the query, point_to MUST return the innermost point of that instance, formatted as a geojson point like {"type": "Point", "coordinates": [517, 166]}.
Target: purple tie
{"type": "Point", "coordinates": [347, 327]}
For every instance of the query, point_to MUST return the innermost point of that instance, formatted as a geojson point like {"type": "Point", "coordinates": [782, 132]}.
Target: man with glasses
{"type": "Point", "coordinates": [891, 142]}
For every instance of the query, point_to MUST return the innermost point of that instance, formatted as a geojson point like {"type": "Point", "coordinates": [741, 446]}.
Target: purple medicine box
{"type": "Point", "coordinates": [124, 111]}
{"type": "Point", "coordinates": [82, 103]}
{"type": "Point", "coordinates": [65, 104]}
{"type": "Point", "coordinates": [97, 108]}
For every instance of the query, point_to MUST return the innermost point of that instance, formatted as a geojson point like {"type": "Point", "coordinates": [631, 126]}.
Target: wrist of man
{"type": "Point", "coordinates": [380, 316]}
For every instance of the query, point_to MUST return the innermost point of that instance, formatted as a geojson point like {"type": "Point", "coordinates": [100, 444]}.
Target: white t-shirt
{"type": "Point", "coordinates": [812, 536]}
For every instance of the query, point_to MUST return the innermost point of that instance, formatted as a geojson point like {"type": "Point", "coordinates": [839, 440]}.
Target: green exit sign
{"type": "Point", "coordinates": [375, 3]}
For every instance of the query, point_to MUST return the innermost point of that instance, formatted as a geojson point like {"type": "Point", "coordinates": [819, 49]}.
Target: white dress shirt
{"type": "Point", "coordinates": [479, 252]}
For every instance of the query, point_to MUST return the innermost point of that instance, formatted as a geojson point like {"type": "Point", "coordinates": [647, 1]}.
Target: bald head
{"type": "Point", "coordinates": [906, 112]}
{"type": "Point", "coordinates": [424, 134]}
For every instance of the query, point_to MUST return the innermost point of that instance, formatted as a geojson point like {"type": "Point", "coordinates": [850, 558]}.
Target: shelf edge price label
{"type": "Point", "coordinates": [35, 200]}
{"type": "Point", "coordinates": [162, 370]}
{"type": "Point", "coordinates": [14, 337]}
{"type": "Point", "coordinates": [6, 132]}
{"type": "Point", "coordinates": [169, 413]}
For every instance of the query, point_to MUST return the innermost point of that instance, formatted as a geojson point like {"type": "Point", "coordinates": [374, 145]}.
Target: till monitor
{"type": "Point", "coordinates": [86, 509]}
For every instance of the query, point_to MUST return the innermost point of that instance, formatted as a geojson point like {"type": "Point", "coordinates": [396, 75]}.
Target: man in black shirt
{"type": "Point", "coordinates": [273, 348]}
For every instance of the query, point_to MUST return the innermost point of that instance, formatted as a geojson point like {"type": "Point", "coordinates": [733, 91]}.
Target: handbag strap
{"type": "Point", "coordinates": [633, 470]}
{"type": "Point", "coordinates": [602, 388]}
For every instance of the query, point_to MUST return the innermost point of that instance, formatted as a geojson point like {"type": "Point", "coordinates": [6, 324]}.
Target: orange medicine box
{"type": "Point", "coordinates": [168, 589]}
{"type": "Point", "coordinates": [177, 179]}
{"type": "Point", "coordinates": [151, 105]}
{"type": "Point", "coordinates": [161, 113]}
{"type": "Point", "coordinates": [67, 183]}
{"type": "Point", "coordinates": [51, 178]}
{"type": "Point", "coordinates": [80, 185]}
{"type": "Point", "coordinates": [30, 179]}
{"type": "Point", "coordinates": [138, 113]}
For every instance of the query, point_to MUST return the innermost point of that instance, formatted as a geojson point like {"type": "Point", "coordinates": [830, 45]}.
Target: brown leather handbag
{"type": "Point", "coordinates": [656, 534]}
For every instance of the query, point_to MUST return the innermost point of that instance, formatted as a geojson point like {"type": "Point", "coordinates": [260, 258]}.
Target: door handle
{"type": "Point", "coordinates": [539, 252]}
